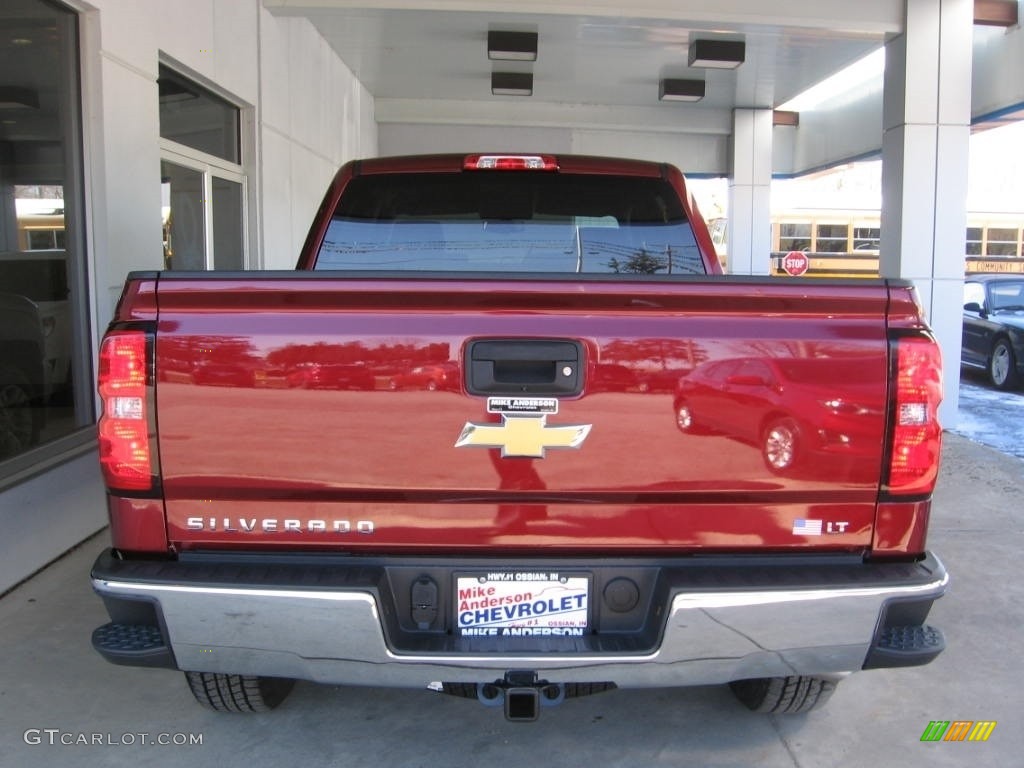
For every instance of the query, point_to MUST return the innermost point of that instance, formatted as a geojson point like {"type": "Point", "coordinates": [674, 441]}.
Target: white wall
{"type": "Point", "coordinates": [843, 130]}
{"type": "Point", "coordinates": [315, 116]}
{"type": "Point", "coordinates": [997, 64]}
{"type": "Point", "coordinates": [307, 114]}
{"type": "Point", "coordinates": [692, 153]}
{"type": "Point", "coordinates": [48, 515]}
{"type": "Point", "coordinates": [420, 138]}
{"type": "Point", "coordinates": [703, 153]}
{"type": "Point", "coordinates": [831, 135]}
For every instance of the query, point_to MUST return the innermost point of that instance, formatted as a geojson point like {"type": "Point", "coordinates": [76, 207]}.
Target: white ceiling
{"type": "Point", "coordinates": [598, 62]}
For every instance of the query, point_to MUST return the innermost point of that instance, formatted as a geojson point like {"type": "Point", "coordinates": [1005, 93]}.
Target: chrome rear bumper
{"type": "Point", "coordinates": [713, 631]}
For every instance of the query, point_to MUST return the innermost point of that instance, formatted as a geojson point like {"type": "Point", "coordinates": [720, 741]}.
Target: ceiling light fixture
{"type": "Point", "coordinates": [717, 54]}
{"type": "Point", "coordinates": [512, 46]}
{"type": "Point", "coordinates": [512, 83]}
{"type": "Point", "coordinates": [681, 90]}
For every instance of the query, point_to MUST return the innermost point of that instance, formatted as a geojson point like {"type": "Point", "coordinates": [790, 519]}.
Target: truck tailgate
{"type": "Point", "coordinates": [331, 412]}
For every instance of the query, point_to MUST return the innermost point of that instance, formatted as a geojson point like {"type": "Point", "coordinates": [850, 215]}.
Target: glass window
{"type": "Point", "coordinates": [203, 185]}
{"type": "Point", "coordinates": [719, 229]}
{"type": "Point", "coordinates": [832, 238]}
{"type": "Point", "coordinates": [194, 117]}
{"type": "Point", "coordinates": [1002, 241]}
{"type": "Point", "coordinates": [227, 224]}
{"type": "Point", "coordinates": [974, 241]}
{"type": "Point", "coordinates": [974, 293]}
{"type": "Point", "coordinates": [184, 225]}
{"type": "Point", "coordinates": [41, 239]}
{"type": "Point", "coordinates": [1006, 296]}
{"type": "Point", "coordinates": [758, 369]}
{"type": "Point", "coordinates": [45, 358]}
{"type": "Point", "coordinates": [866, 238]}
{"type": "Point", "coordinates": [794, 237]}
{"type": "Point", "coordinates": [510, 222]}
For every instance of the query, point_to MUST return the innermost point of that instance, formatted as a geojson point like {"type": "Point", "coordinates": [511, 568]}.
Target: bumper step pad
{"type": "Point", "coordinates": [137, 645]}
{"type": "Point", "coordinates": [906, 647]}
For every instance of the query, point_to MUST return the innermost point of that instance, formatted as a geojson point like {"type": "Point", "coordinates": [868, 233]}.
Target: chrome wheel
{"type": "Point", "coordinates": [780, 445]}
{"type": "Point", "coordinates": [684, 418]}
{"type": "Point", "coordinates": [1002, 366]}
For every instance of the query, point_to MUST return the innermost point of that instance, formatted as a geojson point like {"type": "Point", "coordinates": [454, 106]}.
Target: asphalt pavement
{"type": "Point", "coordinates": [61, 705]}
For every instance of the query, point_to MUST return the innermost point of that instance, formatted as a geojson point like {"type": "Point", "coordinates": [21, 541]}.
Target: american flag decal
{"type": "Point", "coordinates": [807, 527]}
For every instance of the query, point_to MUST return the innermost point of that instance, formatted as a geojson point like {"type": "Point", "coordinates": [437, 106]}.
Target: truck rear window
{"type": "Point", "coordinates": [480, 221]}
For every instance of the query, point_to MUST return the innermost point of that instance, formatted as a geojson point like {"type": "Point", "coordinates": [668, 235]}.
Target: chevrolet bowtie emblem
{"type": "Point", "coordinates": [523, 436]}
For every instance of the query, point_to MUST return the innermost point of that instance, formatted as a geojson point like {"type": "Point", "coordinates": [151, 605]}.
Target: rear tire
{"type": "Point", "coordinates": [783, 695]}
{"type": "Point", "coordinates": [238, 693]}
{"type": "Point", "coordinates": [1002, 365]}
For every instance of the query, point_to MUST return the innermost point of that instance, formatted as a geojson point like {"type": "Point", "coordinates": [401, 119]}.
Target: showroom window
{"type": "Point", "coordinates": [203, 187]}
{"type": "Point", "coordinates": [46, 403]}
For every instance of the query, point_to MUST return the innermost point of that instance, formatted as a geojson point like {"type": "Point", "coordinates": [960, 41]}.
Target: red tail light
{"type": "Point", "coordinates": [510, 163]}
{"type": "Point", "coordinates": [124, 430]}
{"type": "Point", "coordinates": [916, 434]}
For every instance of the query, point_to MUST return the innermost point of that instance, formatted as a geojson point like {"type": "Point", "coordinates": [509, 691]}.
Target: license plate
{"type": "Point", "coordinates": [522, 604]}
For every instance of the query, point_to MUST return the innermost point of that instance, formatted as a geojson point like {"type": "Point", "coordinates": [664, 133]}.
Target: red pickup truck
{"type": "Point", "coordinates": [548, 523]}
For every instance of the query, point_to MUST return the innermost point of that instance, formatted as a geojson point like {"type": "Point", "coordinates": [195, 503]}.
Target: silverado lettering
{"type": "Point", "coordinates": [587, 458]}
{"type": "Point", "coordinates": [270, 525]}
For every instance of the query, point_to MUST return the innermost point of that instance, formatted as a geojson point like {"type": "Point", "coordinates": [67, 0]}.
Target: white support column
{"type": "Point", "coordinates": [750, 236]}
{"type": "Point", "coordinates": [924, 167]}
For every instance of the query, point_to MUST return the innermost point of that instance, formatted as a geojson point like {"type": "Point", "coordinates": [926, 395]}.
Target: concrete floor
{"type": "Point", "coordinates": [51, 679]}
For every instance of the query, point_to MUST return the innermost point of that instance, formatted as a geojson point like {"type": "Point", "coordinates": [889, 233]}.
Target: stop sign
{"type": "Point", "coordinates": [795, 263]}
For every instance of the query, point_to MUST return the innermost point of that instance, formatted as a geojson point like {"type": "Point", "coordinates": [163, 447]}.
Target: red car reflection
{"type": "Point", "coordinates": [429, 377]}
{"type": "Point", "coordinates": [330, 376]}
{"type": "Point", "coordinates": [787, 407]}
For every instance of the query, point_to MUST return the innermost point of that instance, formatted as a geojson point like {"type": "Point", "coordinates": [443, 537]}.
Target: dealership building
{"type": "Point", "coordinates": [201, 135]}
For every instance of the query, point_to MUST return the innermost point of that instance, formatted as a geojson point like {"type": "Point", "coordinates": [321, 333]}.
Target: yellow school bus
{"type": "Point", "coordinates": [845, 243]}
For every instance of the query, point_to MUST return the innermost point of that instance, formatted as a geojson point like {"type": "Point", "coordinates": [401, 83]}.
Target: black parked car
{"type": "Point", "coordinates": [994, 327]}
